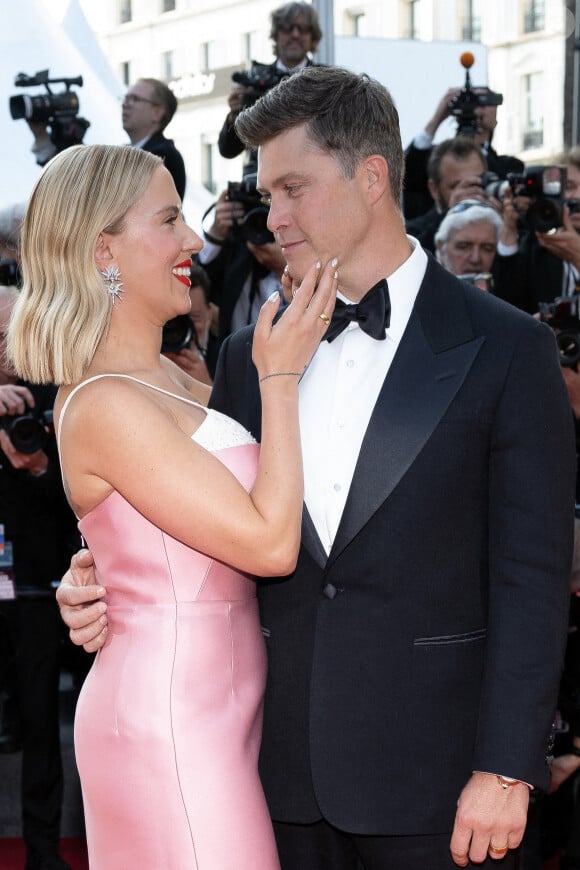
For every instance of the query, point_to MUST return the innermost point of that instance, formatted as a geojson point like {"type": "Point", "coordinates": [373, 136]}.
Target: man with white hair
{"type": "Point", "coordinates": [466, 241]}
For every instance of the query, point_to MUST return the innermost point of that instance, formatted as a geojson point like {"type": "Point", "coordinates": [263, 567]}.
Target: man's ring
{"type": "Point", "coordinates": [324, 317]}
{"type": "Point", "coordinates": [497, 851]}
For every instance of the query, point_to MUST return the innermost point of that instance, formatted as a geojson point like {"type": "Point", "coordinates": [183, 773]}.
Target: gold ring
{"type": "Point", "coordinates": [324, 317]}
{"type": "Point", "coordinates": [497, 851]}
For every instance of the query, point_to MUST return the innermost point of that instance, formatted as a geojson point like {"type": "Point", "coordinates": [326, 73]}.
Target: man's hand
{"type": "Point", "coordinates": [15, 400]}
{"type": "Point", "coordinates": [81, 609]}
{"type": "Point", "coordinates": [467, 188]}
{"type": "Point", "coordinates": [563, 242]}
{"type": "Point", "coordinates": [192, 363]}
{"type": "Point", "coordinates": [488, 816]}
{"type": "Point", "coordinates": [442, 111]}
{"type": "Point", "coordinates": [563, 766]}
{"type": "Point", "coordinates": [225, 215]}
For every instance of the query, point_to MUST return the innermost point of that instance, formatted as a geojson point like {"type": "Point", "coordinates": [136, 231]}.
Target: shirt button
{"type": "Point", "coordinates": [350, 363]}
{"type": "Point", "coordinates": [337, 487]}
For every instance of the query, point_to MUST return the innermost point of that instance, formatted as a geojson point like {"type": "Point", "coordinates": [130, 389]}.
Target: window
{"type": "Point", "coordinates": [471, 20]}
{"type": "Point", "coordinates": [209, 155]}
{"type": "Point", "coordinates": [251, 45]}
{"type": "Point", "coordinates": [412, 28]}
{"type": "Point", "coordinates": [167, 5]}
{"type": "Point", "coordinates": [167, 65]}
{"type": "Point", "coordinates": [125, 11]}
{"type": "Point", "coordinates": [533, 136]}
{"type": "Point", "coordinates": [358, 22]}
{"type": "Point", "coordinates": [534, 15]}
{"type": "Point", "coordinates": [210, 56]}
{"type": "Point", "coordinates": [126, 72]}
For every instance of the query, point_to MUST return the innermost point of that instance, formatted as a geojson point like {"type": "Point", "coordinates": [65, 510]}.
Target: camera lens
{"type": "Point", "coordinates": [27, 434]}
{"type": "Point", "coordinates": [568, 348]}
{"type": "Point", "coordinates": [178, 333]}
{"type": "Point", "coordinates": [253, 227]}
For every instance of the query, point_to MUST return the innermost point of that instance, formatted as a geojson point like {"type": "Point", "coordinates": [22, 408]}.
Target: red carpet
{"type": "Point", "coordinates": [13, 854]}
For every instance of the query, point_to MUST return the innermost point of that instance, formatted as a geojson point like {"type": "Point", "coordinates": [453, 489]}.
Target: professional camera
{"type": "Point", "coordinates": [28, 432]}
{"type": "Point", "coordinates": [58, 111]}
{"type": "Point", "coordinates": [260, 78]}
{"type": "Point", "coordinates": [252, 227]}
{"type": "Point", "coordinates": [463, 106]}
{"type": "Point", "coordinates": [544, 186]}
{"type": "Point", "coordinates": [178, 333]}
{"type": "Point", "coordinates": [563, 316]}
{"type": "Point", "coordinates": [10, 275]}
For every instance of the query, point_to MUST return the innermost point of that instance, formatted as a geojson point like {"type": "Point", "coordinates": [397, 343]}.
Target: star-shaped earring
{"type": "Point", "coordinates": [113, 285]}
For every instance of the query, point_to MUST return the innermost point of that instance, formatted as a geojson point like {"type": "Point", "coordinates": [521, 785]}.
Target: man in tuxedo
{"type": "Point", "coordinates": [415, 653]}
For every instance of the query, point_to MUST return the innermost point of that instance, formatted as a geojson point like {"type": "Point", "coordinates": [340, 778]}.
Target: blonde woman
{"type": "Point", "coordinates": [178, 506]}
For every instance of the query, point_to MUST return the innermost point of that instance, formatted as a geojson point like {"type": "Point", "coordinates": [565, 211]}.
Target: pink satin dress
{"type": "Point", "coordinates": [169, 720]}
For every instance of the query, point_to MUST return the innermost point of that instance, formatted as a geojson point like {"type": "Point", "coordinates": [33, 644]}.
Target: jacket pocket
{"type": "Point", "coordinates": [445, 639]}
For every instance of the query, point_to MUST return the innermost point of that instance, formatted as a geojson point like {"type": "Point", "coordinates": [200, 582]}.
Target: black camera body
{"type": "Point", "coordinates": [178, 333]}
{"type": "Point", "coordinates": [463, 106]}
{"type": "Point", "coordinates": [10, 274]}
{"type": "Point", "coordinates": [58, 111]}
{"type": "Point", "coordinates": [260, 78]}
{"type": "Point", "coordinates": [563, 315]}
{"type": "Point", "coordinates": [28, 432]}
{"type": "Point", "coordinates": [544, 186]}
{"type": "Point", "coordinates": [253, 225]}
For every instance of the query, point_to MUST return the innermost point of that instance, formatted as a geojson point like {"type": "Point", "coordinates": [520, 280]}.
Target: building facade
{"type": "Point", "coordinates": [196, 45]}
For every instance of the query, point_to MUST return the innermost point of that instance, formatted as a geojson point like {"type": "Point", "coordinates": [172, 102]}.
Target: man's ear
{"type": "Point", "coordinates": [377, 176]}
{"type": "Point", "coordinates": [103, 253]}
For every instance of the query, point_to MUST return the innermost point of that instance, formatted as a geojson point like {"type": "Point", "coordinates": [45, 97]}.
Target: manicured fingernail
{"type": "Point", "coordinates": [334, 262]}
{"type": "Point", "coordinates": [336, 274]}
{"type": "Point", "coordinates": [286, 269]}
{"type": "Point", "coordinates": [318, 264]}
{"type": "Point", "coordinates": [273, 297]}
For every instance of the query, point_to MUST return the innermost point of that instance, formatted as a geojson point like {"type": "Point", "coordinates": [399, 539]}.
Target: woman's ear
{"type": "Point", "coordinates": [103, 253]}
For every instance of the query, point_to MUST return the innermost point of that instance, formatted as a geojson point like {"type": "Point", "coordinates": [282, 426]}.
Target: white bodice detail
{"type": "Point", "coordinates": [216, 432]}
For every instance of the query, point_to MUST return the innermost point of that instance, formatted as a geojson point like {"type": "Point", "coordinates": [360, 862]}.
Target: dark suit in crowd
{"type": "Point", "coordinates": [165, 148]}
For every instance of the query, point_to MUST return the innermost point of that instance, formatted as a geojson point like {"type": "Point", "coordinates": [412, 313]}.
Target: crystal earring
{"type": "Point", "coordinates": [113, 285]}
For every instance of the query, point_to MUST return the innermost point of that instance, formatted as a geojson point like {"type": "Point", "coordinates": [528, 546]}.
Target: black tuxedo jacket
{"type": "Point", "coordinates": [161, 146]}
{"type": "Point", "coordinates": [429, 643]}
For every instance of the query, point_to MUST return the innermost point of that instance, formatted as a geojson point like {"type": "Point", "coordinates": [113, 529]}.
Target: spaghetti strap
{"type": "Point", "coordinates": [115, 375]}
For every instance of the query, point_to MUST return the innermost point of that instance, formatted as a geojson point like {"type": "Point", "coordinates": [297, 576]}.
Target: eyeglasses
{"type": "Point", "coordinates": [288, 28]}
{"type": "Point", "coordinates": [132, 99]}
{"type": "Point", "coordinates": [469, 203]}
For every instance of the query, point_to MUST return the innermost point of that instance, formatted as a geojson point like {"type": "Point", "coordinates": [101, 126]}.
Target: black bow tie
{"type": "Point", "coordinates": [372, 313]}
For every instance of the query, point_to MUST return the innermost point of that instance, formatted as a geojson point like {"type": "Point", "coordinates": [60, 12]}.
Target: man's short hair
{"type": "Point", "coordinates": [349, 116]}
{"type": "Point", "coordinates": [460, 148]}
{"type": "Point", "coordinates": [163, 96]}
{"type": "Point", "coordinates": [466, 212]}
{"type": "Point", "coordinates": [286, 15]}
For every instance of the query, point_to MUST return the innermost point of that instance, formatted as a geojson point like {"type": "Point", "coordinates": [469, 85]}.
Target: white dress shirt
{"type": "Point", "coordinates": [338, 393]}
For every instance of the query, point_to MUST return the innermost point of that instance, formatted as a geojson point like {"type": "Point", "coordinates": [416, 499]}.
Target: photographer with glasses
{"type": "Point", "coordinates": [295, 34]}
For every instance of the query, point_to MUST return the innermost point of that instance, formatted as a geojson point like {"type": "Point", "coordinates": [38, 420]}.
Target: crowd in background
{"type": "Point", "coordinates": [487, 218]}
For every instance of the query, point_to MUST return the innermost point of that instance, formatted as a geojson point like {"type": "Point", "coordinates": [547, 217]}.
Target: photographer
{"type": "Point", "coordinates": [416, 195]}
{"type": "Point", "coordinates": [40, 534]}
{"type": "Point", "coordinates": [243, 261]}
{"type": "Point", "coordinates": [542, 234]}
{"type": "Point", "coordinates": [188, 339]}
{"type": "Point", "coordinates": [455, 171]}
{"type": "Point", "coordinates": [147, 108]}
{"type": "Point", "coordinates": [295, 33]}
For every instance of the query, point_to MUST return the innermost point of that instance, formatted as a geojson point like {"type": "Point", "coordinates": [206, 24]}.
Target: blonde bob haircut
{"type": "Point", "coordinates": [63, 310]}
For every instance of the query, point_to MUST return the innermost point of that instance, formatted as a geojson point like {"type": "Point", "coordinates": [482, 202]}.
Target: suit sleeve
{"type": "Point", "coordinates": [229, 144]}
{"type": "Point", "coordinates": [530, 518]}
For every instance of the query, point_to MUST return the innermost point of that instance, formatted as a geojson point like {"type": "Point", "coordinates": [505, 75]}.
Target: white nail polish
{"type": "Point", "coordinates": [273, 297]}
